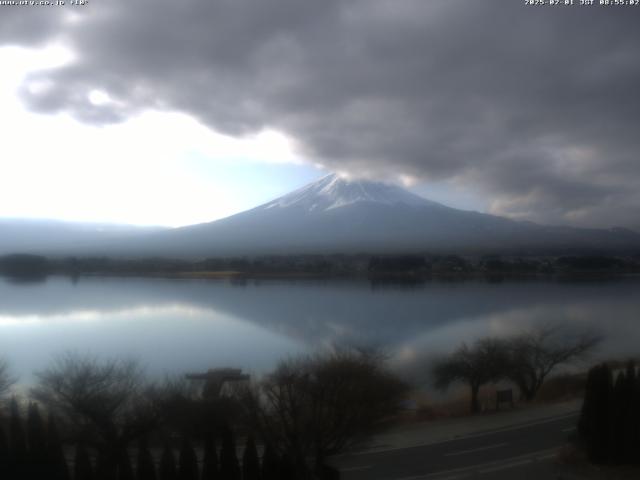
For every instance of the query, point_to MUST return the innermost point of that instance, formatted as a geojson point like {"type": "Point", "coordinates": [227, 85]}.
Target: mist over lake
{"type": "Point", "coordinates": [175, 326]}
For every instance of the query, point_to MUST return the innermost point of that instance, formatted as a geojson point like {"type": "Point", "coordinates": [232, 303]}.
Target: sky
{"type": "Point", "coordinates": [166, 112]}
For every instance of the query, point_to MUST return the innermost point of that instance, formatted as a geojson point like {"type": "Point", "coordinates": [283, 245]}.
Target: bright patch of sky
{"type": "Point", "coordinates": [159, 168]}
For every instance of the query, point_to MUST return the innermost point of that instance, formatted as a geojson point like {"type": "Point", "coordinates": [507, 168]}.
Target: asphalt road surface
{"type": "Point", "coordinates": [496, 454]}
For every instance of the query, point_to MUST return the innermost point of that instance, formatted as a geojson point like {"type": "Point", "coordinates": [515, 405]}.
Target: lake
{"type": "Point", "coordinates": [175, 326]}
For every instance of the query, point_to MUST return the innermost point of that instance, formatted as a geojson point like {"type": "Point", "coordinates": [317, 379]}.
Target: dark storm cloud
{"type": "Point", "coordinates": [26, 26]}
{"type": "Point", "coordinates": [538, 106]}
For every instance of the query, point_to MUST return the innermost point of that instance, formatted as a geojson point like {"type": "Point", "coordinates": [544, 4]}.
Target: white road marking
{"type": "Point", "coordinates": [355, 469]}
{"type": "Point", "coordinates": [462, 437]}
{"type": "Point", "coordinates": [488, 466]}
{"type": "Point", "coordinates": [515, 464]}
{"type": "Point", "coordinates": [479, 449]}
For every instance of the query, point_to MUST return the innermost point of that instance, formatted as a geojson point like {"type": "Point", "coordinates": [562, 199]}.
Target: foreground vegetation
{"type": "Point", "coordinates": [105, 420]}
{"type": "Point", "coordinates": [609, 425]}
{"type": "Point", "coordinates": [526, 360]}
{"type": "Point", "coordinates": [104, 414]}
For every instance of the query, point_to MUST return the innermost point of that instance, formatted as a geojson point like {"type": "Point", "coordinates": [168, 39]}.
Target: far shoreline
{"type": "Point", "coordinates": [377, 269]}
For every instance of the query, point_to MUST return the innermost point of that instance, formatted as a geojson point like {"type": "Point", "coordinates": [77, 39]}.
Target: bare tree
{"type": "Point", "coordinates": [536, 353]}
{"type": "Point", "coordinates": [316, 406]}
{"type": "Point", "coordinates": [103, 401]}
{"type": "Point", "coordinates": [6, 380]}
{"type": "Point", "coordinates": [182, 407]}
{"type": "Point", "coordinates": [475, 365]}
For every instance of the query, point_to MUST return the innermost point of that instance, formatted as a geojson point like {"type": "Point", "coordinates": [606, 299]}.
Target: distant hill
{"type": "Point", "coordinates": [52, 236]}
{"type": "Point", "coordinates": [338, 215]}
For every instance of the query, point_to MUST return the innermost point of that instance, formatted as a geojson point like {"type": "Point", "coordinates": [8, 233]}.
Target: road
{"type": "Point", "coordinates": [521, 447]}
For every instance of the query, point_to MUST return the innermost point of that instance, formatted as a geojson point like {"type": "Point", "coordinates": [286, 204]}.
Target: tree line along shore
{"type": "Point", "coordinates": [375, 267]}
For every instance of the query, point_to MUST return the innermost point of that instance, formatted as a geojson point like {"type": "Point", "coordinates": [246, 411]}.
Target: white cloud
{"type": "Point", "coordinates": [52, 166]}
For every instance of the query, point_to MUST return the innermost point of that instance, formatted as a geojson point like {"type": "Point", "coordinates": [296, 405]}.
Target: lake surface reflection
{"type": "Point", "coordinates": [175, 326]}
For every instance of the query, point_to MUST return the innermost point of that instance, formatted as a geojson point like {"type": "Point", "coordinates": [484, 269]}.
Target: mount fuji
{"type": "Point", "coordinates": [339, 215]}
{"type": "Point", "coordinates": [332, 215]}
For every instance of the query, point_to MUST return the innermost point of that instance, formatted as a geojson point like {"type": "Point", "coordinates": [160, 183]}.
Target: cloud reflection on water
{"type": "Point", "coordinates": [182, 325]}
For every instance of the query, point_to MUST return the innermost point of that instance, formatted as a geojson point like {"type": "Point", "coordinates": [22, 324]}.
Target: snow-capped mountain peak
{"type": "Point", "coordinates": [336, 215]}
{"type": "Point", "coordinates": [334, 191]}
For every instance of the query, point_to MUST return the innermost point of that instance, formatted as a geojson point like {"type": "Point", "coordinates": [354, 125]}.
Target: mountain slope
{"type": "Point", "coordinates": [331, 215]}
{"type": "Point", "coordinates": [337, 215]}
